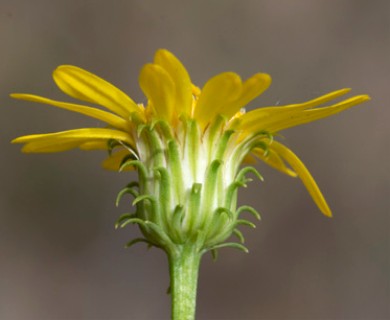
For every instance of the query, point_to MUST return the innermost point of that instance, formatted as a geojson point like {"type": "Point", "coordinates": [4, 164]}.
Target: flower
{"type": "Point", "coordinates": [188, 145]}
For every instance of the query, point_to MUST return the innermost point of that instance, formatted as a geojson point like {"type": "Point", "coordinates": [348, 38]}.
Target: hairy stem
{"type": "Point", "coordinates": [184, 267]}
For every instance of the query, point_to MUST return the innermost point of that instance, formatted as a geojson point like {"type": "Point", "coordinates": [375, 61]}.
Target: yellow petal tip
{"type": "Point", "coordinates": [291, 173]}
{"type": "Point", "coordinates": [264, 77]}
{"type": "Point", "coordinates": [18, 140]}
{"type": "Point", "coordinates": [59, 69]}
{"type": "Point", "coordinates": [327, 213]}
{"type": "Point", "coordinates": [162, 53]}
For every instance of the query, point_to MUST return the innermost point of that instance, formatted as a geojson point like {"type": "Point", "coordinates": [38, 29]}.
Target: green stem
{"type": "Point", "coordinates": [184, 267]}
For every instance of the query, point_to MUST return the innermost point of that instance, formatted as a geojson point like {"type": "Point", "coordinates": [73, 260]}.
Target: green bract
{"type": "Point", "coordinates": [188, 182]}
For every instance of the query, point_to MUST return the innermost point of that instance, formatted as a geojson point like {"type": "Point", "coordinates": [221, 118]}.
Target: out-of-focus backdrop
{"type": "Point", "coordinates": [60, 257]}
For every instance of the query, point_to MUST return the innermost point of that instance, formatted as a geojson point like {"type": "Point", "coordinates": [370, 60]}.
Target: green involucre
{"type": "Point", "coordinates": [188, 182]}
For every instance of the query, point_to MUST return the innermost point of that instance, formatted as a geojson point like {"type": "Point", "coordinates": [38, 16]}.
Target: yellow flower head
{"type": "Point", "coordinates": [187, 144]}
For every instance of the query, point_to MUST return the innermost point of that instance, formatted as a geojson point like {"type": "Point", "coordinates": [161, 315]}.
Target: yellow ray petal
{"type": "Point", "coordinates": [249, 159]}
{"type": "Point", "coordinates": [84, 135]}
{"type": "Point", "coordinates": [251, 88]}
{"type": "Point", "coordinates": [311, 115]}
{"type": "Point", "coordinates": [273, 160]}
{"type": "Point", "coordinates": [159, 88]}
{"type": "Point", "coordinates": [252, 117]}
{"type": "Point", "coordinates": [274, 119]}
{"type": "Point", "coordinates": [181, 79]}
{"type": "Point", "coordinates": [114, 161]}
{"type": "Point", "coordinates": [220, 92]}
{"type": "Point", "coordinates": [107, 117]}
{"type": "Point", "coordinates": [320, 100]}
{"type": "Point", "coordinates": [83, 85]}
{"type": "Point", "coordinates": [305, 176]}
{"type": "Point", "coordinates": [56, 145]}
{"type": "Point", "coordinates": [50, 146]}
{"type": "Point", "coordinates": [94, 145]}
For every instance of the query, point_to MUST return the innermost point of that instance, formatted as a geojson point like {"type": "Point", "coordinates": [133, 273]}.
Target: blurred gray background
{"type": "Point", "coordinates": [60, 257]}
